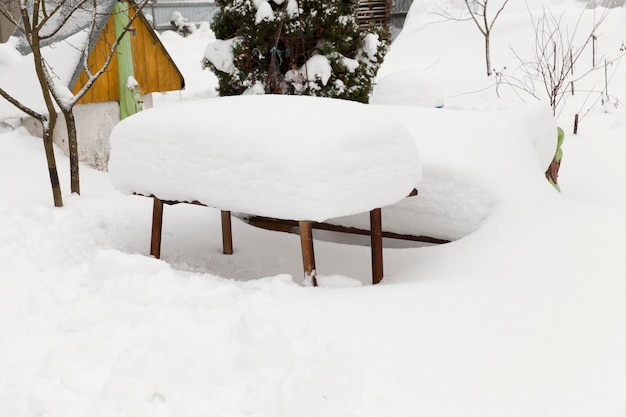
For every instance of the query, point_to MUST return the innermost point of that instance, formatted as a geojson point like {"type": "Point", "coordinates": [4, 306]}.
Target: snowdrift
{"type": "Point", "coordinates": [471, 162]}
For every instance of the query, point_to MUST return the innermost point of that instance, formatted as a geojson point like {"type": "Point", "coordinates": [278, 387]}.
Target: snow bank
{"type": "Point", "coordinates": [471, 161]}
{"type": "Point", "coordinates": [300, 158]}
{"type": "Point", "coordinates": [409, 87]}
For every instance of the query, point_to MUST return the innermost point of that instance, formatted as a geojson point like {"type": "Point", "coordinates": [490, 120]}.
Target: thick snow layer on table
{"type": "Point", "coordinates": [290, 157]}
{"type": "Point", "coordinates": [471, 161]}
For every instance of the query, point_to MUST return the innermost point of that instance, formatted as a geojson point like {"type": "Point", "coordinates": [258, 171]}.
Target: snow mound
{"type": "Point", "coordinates": [410, 88]}
{"type": "Point", "coordinates": [220, 53]}
{"type": "Point", "coordinates": [328, 382]}
{"type": "Point", "coordinates": [289, 157]}
{"type": "Point", "coordinates": [472, 161]}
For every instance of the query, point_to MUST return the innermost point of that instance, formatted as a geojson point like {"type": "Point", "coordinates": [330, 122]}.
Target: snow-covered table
{"type": "Point", "coordinates": [286, 157]}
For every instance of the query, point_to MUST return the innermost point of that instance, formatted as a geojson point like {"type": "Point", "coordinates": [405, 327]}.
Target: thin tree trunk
{"type": "Point", "coordinates": [48, 128]}
{"type": "Point", "coordinates": [52, 166]}
{"type": "Point", "coordinates": [487, 54]}
{"type": "Point", "coordinates": [72, 142]}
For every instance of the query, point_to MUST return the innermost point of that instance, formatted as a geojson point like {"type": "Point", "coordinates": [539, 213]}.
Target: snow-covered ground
{"type": "Point", "coordinates": [523, 316]}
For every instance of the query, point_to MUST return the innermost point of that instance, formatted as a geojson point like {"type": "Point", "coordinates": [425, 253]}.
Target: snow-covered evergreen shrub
{"type": "Point", "coordinates": [311, 47]}
{"type": "Point", "coordinates": [183, 27]}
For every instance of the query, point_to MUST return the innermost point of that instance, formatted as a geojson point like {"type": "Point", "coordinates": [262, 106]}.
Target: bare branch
{"type": "Point", "coordinates": [5, 12]}
{"type": "Point", "coordinates": [473, 15]}
{"type": "Point", "coordinates": [479, 9]}
{"type": "Point", "coordinates": [497, 14]}
{"type": "Point", "coordinates": [447, 15]}
{"type": "Point", "coordinates": [555, 55]}
{"type": "Point", "coordinates": [65, 20]}
{"type": "Point", "coordinates": [21, 106]}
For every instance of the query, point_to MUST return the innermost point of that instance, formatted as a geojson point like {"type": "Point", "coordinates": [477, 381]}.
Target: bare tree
{"type": "Point", "coordinates": [32, 23]}
{"type": "Point", "coordinates": [41, 20]}
{"type": "Point", "coordinates": [479, 13]}
{"type": "Point", "coordinates": [478, 10]}
{"type": "Point", "coordinates": [552, 67]}
{"type": "Point", "coordinates": [555, 53]}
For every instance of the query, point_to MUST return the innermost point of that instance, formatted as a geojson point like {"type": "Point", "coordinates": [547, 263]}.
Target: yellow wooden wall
{"type": "Point", "coordinates": [154, 69]}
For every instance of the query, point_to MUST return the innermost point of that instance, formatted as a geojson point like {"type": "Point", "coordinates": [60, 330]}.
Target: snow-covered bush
{"type": "Point", "coordinates": [181, 24]}
{"type": "Point", "coordinates": [311, 47]}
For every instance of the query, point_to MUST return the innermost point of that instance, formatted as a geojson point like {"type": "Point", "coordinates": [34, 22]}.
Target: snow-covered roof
{"type": "Point", "coordinates": [79, 21]}
{"type": "Point", "coordinates": [288, 157]}
{"type": "Point", "coordinates": [63, 53]}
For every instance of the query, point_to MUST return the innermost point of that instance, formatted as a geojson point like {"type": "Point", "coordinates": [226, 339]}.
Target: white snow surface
{"type": "Point", "coordinates": [199, 83]}
{"type": "Point", "coordinates": [293, 8]}
{"type": "Point", "coordinates": [472, 161]}
{"type": "Point", "coordinates": [317, 67]}
{"type": "Point", "coordinates": [62, 59]}
{"type": "Point", "coordinates": [264, 12]}
{"type": "Point", "coordinates": [409, 87]}
{"type": "Point", "coordinates": [370, 45]}
{"type": "Point", "coordinates": [220, 52]}
{"type": "Point", "coordinates": [276, 164]}
{"type": "Point", "coordinates": [523, 316]}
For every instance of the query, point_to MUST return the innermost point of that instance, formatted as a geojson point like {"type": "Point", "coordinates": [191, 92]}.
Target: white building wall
{"type": "Point", "coordinates": [94, 123]}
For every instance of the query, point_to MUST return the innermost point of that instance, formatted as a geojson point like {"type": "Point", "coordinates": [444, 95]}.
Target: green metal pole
{"type": "Point", "coordinates": [130, 99]}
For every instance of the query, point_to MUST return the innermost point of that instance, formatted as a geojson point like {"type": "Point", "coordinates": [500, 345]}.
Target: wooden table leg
{"type": "Point", "coordinates": [376, 237]}
{"type": "Point", "coordinates": [157, 227]}
{"type": "Point", "coordinates": [308, 255]}
{"type": "Point", "coordinates": [227, 233]}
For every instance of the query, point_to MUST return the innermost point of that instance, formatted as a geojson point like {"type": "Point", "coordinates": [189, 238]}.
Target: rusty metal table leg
{"type": "Point", "coordinates": [308, 255]}
{"type": "Point", "coordinates": [227, 233]}
{"type": "Point", "coordinates": [376, 237]}
{"type": "Point", "coordinates": [157, 226]}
